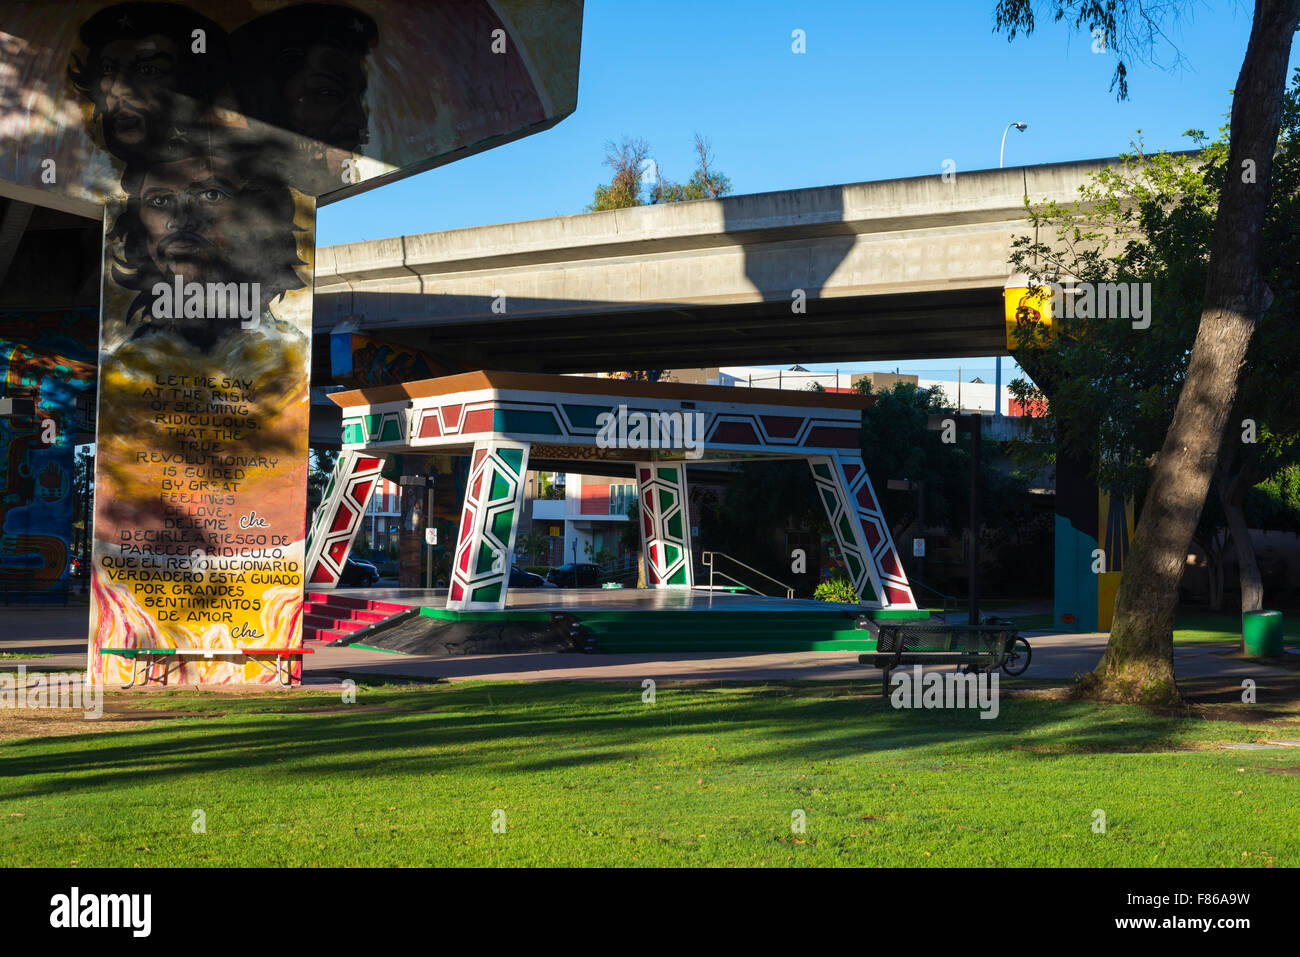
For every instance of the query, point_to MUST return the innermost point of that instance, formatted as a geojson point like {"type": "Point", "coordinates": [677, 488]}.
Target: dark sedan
{"type": "Point", "coordinates": [357, 573]}
{"type": "Point", "coordinates": [522, 579]}
{"type": "Point", "coordinates": [575, 576]}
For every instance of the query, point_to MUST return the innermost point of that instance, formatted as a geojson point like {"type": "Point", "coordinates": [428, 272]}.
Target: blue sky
{"type": "Point", "coordinates": [885, 89]}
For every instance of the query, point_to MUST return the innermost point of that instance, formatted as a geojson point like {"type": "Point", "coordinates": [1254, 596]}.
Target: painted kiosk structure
{"type": "Point", "coordinates": [502, 420]}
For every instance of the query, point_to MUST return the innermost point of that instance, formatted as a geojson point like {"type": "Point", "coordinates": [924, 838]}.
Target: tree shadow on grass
{"type": "Point", "coordinates": [528, 729]}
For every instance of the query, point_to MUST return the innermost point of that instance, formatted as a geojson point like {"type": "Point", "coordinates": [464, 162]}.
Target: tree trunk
{"type": "Point", "coordinates": [1215, 558]}
{"type": "Point", "coordinates": [1232, 493]}
{"type": "Point", "coordinates": [1252, 585]}
{"type": "Point", "coordinates": [1138, 664]}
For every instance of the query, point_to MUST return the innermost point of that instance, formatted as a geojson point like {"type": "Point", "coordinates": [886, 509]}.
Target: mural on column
{"type": "Point", "coordinates": [665, 531]}
{"type": "Point", "coordinates": [207, 132]}
{"type": "Point", "coordinates": [205, 339]}
{"type": "Point", "coordinates": [50, 354]}
{"type": "Point", "coordinates": [364, 361]}
{"type": "Point", "coordinates": [489, 521]}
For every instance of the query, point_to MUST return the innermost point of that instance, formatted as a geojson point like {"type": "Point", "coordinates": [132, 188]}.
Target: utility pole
{"type": "Point", "coordinates": [429, 532]}
{"type": "Point", "coordinates": [971, 423]}
{"type": "Point", "coordinates": [972, 600]}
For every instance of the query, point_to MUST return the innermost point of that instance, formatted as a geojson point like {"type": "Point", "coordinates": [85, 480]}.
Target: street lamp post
{"type": "Point", "coordinates": [1021, 127]}
{"type": "Point", "coordinates": [971, 423]}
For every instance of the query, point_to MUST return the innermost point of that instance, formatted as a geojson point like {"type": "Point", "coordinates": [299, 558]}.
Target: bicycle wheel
{"type": "Point", "coordinates": [1018, 657]}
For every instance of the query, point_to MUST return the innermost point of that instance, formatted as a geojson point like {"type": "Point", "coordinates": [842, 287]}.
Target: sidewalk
{"type": "Point", "coordinates": [60, 633]}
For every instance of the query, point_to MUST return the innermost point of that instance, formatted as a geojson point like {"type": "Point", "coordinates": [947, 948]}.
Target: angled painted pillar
{"type": "Point", "coordinates": [339, 517]}
{"type": "Point", "coordinates": [665, 524]}
{"type": "Point", "coordinates": [489, 521]}
{"type": "Point", "coordinates": [861, 531]}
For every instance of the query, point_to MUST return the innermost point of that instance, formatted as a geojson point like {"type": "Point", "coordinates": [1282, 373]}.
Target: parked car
{"type": "Point", "coordinates": [522, 579]}
{"type": "Point", "coordinates": [357, 573]}
{"type": "Point", "coordinates": [575, 576]}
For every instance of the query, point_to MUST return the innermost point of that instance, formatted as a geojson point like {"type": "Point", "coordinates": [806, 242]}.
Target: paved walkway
{"type": "Point", "coordinates": [60, 633]}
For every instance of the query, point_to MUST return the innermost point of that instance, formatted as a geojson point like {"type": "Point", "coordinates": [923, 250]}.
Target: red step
{"type": "Point", "coordinates": [340, 624]}
{"type": "Point", "coordinates": [328, 617]}
{"type": "Point", "coordinates": [321, 635]}
{"type": "Point", "coordinates": [347, 601]}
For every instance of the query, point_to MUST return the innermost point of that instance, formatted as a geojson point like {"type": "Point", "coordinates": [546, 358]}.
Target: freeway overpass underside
{"type": "Point", "coordinates": [890, 270]}
{"type": "Point", "coordinates": [956, 323]}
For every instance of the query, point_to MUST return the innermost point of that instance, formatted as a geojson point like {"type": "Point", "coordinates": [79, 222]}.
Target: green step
{"type": "Point", "coordinates": [614, 646]}
{"type": "Point", "coordinates": [712, 616]}
{"type": "Point", "coordinates": [751, 634]}
{"type": "Point", "coordinates": [895, 614]}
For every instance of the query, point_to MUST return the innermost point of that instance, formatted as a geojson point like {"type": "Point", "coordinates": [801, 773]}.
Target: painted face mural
{"type": "Point", "coordinates": [141, 72]}
{"type": "Point", "coordinates": [206, 131]}
{"type": "Point", "coordinates": [303, 69]}
{"type": "Point", "coordinates": [199, 544]}
{"type": "Point", "coordinates": [212, 221]}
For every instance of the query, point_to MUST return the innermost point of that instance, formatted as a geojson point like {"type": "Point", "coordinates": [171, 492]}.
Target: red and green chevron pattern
{"type": "Point", "coordinates": [488, 522]}
{"type": "Point", "coordinates": [665, 524]}
{"type": "Point", "coordinates": [339, 517]}
{"type": "Point", "coordinates": [861, 531]}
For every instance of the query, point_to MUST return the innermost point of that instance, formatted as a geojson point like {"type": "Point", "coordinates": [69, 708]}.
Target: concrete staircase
{"type": "Point", "coordinates": [327, 617]}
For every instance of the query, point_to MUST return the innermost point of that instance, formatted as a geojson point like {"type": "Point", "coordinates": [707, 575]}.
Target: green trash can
{"type": "Point", "coordinates": [1261, 632]}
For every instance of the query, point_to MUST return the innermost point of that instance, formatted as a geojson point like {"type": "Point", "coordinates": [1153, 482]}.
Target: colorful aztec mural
{"type": "Point", "coordinates": [49, 354]}
{"type": "Point", "coordinates": [208, 132]}
{"type": "Point", "coordinates": [364, 361]}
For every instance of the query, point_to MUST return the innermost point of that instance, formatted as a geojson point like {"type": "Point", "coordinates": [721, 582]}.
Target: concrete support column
{"type": "Point", "coordinates": [489, 521]}
{"type": "Point", "coordinates": [665, 524]}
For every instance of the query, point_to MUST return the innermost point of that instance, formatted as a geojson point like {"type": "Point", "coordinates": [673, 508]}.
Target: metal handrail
{"type": "Point", "coordinates": [618, 565]}
{"type": "Point", "coordinates": [706, 559]}
{"type": "Point", "coordinates": [935, 591]}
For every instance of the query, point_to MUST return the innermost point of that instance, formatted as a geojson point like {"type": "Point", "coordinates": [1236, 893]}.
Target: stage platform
{"type": "Point", "coordinates": [604, 599]}
{"type": "Point", "coordinates": [617, 620]}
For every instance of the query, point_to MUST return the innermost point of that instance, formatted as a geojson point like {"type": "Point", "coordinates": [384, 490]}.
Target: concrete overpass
{"type": "Point", "coordinates": [894, 269]}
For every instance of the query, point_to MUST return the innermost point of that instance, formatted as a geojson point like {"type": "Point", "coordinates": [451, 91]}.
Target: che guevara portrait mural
{"type": "Point", "coordinates": [208, 133]}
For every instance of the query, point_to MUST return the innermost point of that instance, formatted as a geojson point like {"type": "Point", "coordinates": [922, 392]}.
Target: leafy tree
{"type": "Point", "coordinates": [895, 443]}
{"type": "Point", "coordinates": [320, 466]}
{"type": "Point", "coordinates": [705, 183]}
{"type": "Point", "coordinates": [1114, 389]}
{"type": "Point", "coordinates": [763, 499]}
{"type": "Point", "coordinates": [1138, 663]}
{"type": "Point", "coordinates": [531, 546]}
{"type": "Point", "coordinates": [630, 161]}
{"type": "Point", "coordinates": [624, 189]}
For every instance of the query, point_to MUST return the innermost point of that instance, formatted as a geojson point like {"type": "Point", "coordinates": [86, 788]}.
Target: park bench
{"type": "Point", "coordinates": [937, 643]}
{"type": "Point", "coordinates": [283, 664]}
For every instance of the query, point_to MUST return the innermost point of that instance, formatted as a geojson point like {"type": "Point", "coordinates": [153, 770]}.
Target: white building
{"type": "Point", "coordinates": [583, 515]}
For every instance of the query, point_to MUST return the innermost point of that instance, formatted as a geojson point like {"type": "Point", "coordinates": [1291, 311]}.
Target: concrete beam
{"type": "Point", "coordinates": [889, 269]}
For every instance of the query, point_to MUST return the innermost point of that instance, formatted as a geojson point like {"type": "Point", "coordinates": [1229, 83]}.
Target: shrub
{"type": "Point", "coordinates": [837, 588]}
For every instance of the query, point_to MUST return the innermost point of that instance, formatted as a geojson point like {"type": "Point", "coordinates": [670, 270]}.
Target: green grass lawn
{"type": "Point", "coordinates": [1211, 627]}
{"type": "Point", "coordinates": [588, 774]}
{"type": "Point", "coordinates": [1191, 627]}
